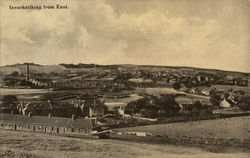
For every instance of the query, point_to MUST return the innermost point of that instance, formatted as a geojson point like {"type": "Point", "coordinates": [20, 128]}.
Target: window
{"type": "Point", "coordinates": [1, 124]}
{"type": "Point", "coordinates": [28, 126]}
{"type": "Point", "coordinates": [72, 129]}
{"type": "Point", "coordinates": [52, 128]}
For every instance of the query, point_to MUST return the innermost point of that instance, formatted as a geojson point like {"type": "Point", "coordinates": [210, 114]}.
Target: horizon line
{"type": "Point", "coordinates": [192, 67]}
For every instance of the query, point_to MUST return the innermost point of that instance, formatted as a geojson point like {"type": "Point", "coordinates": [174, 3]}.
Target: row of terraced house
{"type": "Point", "coordinates": [46, 124]}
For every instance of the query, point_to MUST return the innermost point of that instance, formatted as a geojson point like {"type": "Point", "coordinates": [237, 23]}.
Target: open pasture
{"type": "Point", "coordinates": [237, 127]}
{"type": "Point", "coordinates": [38, 145]}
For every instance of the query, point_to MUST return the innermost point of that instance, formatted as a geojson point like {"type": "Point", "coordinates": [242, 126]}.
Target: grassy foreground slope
{"type": "Point", "coordinates": [38, 145]}
{"type": "Point", "coordinates": [237, 127]}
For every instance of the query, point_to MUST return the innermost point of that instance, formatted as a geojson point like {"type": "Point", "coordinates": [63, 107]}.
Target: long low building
{"type": "Point", "coordinates": [46, 124]}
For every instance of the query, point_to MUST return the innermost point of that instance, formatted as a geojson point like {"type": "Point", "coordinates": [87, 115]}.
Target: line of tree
{"type": "Point", "coordinates": [152, 107]}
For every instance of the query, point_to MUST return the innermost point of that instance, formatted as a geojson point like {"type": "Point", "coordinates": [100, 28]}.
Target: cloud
{"type": "Point", "coordinates": [93, 32]}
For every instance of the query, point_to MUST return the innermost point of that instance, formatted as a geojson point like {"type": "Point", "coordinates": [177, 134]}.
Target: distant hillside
{"type": "Point", "coordinates": [153, 68]}
{"type": "Point", "coordinates": [35, 68]}
{"type": "Point", "coordinates": [21, 68]}
{"type": "Point", "coordinates": [187, 68]}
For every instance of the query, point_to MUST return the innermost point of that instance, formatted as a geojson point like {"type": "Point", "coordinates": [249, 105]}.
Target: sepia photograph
{"type": "Point", "coordinates": [124, 78]}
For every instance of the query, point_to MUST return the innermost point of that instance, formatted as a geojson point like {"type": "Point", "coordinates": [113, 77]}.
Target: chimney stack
{"type": "Point", "coordinates": [29, 114]}
{"type": "Point", "coordinates": [51, 106]}
{"type": "Point", "coordinates": [27, 72]}
{"type": "Point", "coordinates": [73, 117]}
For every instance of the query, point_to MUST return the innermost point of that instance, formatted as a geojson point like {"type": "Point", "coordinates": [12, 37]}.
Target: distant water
{"type": "Point", "coordinates": [6, 91]}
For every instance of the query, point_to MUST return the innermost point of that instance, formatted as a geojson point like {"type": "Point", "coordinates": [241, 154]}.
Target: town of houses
{"type": "Point", "coordinates": [76, 98]}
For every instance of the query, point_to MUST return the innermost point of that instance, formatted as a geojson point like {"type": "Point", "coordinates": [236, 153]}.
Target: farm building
{"type": "Point", "coordinates": [94, 108]}
{"type": "Point", "coordinates": [46, 124]}
{"type": "Point", "coordinates": [91, 107]}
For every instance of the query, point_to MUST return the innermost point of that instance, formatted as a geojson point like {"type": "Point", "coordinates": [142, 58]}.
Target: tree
{"type": "Point", "coordinates": [189, 84]}
{"type": "Point", "coordinates": [130, 108]}
{"type": "Point", "coordinates": [196, 109]}
{"type": "Point", "coordinates": [146, 112]}
{"type": "Point", "coordinates": [8, 81]}
{"type": "Point", "coordinates": [163, 106]}
{"type": "Point", "coordinates": [25, 83]}
{"type": "Point", "coordinates": [215, 98]}
{"type": "Point", "coordinates": [167, 105]}
{"type": "Point", "coordinates": [244, 103]}
{"type": "Point", "coordinates": [10, 102]}
{"type": "Point", "coordinates": [135, 106]}
{"type": "Point", "coordinates": [176, 86]}
{"type": "Point", "coordinates": [15, 74]}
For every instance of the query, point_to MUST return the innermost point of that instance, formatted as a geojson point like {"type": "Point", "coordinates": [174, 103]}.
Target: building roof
{"type": "Point", "coordinates": [224, 103]}
{"type": "Point", "coordinates": [48, 121]}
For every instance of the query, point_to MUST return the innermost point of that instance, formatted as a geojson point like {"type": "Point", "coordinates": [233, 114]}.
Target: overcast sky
{"type": "Point", "coordinates": [198, 33]}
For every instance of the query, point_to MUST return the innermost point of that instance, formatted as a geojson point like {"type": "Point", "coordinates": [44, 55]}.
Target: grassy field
{"type": "Point", "coordinates": [116, 102]}
{"type": "Point", "coordinates": [7, 91]}
{"type": "Point", "coordinates": [38, 145]}
{"type": "Point", "coordinates": [237, 127]}
{"type": "Point", "coordinates": [186, 99]}
{"type": "Point", "coordinates": [156, 91]}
